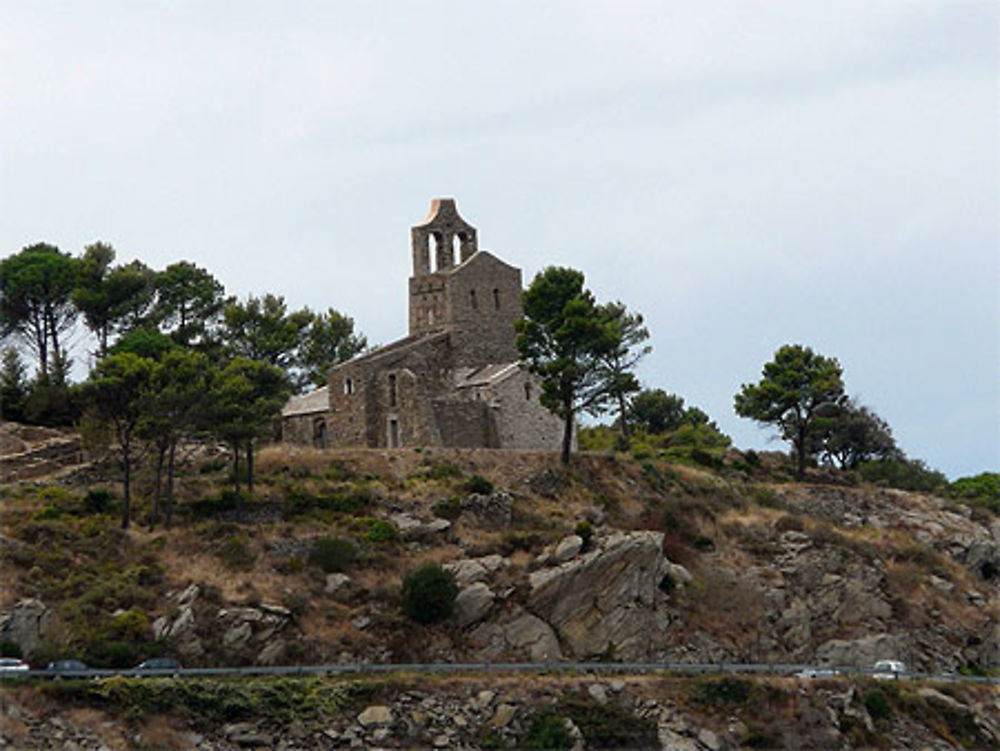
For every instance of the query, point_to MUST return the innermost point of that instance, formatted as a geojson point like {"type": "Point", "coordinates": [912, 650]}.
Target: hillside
{"type": "Point", "coordinates": [612, 558]}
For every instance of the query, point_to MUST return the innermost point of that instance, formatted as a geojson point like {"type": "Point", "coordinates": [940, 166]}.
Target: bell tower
{"type": "Point", "coordinates": [436, 242]}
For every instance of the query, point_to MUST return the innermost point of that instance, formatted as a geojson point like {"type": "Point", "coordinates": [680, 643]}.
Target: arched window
{"type": "Point", "coordinates": [496, 299]}
{"type": "Point", "coordinates": [472, 299]}
{"type": "Point", "coordinates": [348, 386]}
{"type": "Point", "coordinates": [527, 390]}
{"type": "Point", "coordinates": [392, 389]}
{"type": "Point", "coordinates": [432, 248]}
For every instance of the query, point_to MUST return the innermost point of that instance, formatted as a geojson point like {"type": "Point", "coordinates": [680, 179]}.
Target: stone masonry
{"type": "Point", "coordinates": [455, 380]}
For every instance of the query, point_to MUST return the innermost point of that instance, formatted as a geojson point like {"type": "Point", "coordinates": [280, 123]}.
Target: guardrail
{"type": "Point", "coordinates": [366, 668]}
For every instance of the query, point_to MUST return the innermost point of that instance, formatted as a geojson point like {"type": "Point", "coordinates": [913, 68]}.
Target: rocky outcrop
{"type": "Point", "coordinates": [25, 625]}
{"type": "Point", "coordinates": [493, 510]}
{"type": "Point", "coordinates": [522, 635]}
{"type": "Point", "coordinates": [607, 601]}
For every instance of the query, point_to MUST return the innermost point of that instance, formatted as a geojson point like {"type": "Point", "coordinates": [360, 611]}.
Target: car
{"type": "Point", "coordinates": [159, 665]}
{"type": "Point", "coordinates": [13, 665]}
{"type": "Point", "coordinates": [66, 668]}
{"type": "Point", "coordinates": [887, 670]}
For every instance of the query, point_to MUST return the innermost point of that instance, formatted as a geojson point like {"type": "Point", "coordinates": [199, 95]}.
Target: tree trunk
{"type": "Point", "coordinates": [169, 505]}
{"type": "Point", "coordinates": [567, 442]}
{"type": "Point", "coordinates": [154, 514]}
{"type": "Point", "coordinates": [126, 481]}
{"type": "Point", "coordinates": [250, 468]}
{"type": "Point", "coordinates": [800, 450]}
{"type": "Point", "coordinates": [236, 466]}
{"type": "Point", "coordinates": [622, 416]}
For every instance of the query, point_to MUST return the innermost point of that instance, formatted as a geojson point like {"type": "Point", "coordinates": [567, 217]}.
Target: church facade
{"type": "Point", "coordinates": [455, 379]}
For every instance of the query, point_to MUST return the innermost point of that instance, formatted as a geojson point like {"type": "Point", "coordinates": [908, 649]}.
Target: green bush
{"type": "Point", "coordinates": [905, 474]}
{"type": "Point", "coordinates": [980, 490]}
{"type": "Point", "coordinates": [479, 485]}
{"type": "Point", "coordinates": [609, 725]}
{"type": "Point", "coordinates": [381, 532]}
{"type": "Point", "coordinates": [722, 691]}
{"type": "Point", "coordinates": [97, 501]}
{"type": "Point", "coordinates": [877, 704]}
{"type": "Point", "coordinates": [448, 508]}
{"type": "Point", "coordinates": [548, 731]}
{"type": "Point", "coordinates": [585, 531]}
{"type": "Point", "coordinates": [10, 649]}
{"type": "Point", "coordinates": [333, 554]}
{"type": "Point", "coordinates": [429, 594]}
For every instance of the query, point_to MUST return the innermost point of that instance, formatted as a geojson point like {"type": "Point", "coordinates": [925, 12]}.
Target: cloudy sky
{"type": "Point", "coordinates": [745, 174]}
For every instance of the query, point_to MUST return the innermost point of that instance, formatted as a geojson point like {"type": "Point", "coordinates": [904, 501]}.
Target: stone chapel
{"type": "Point", "coordinates": [455, 380]}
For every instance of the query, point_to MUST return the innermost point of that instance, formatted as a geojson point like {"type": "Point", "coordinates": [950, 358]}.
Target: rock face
{"type": "Point", "coordinates": [473, 603]}
{"type": "Point", "coordinates": [608, 600]}
{"type": "Point", "coordinates": [862, 652]}
{"type": "Point", "coordinates": [523, 634]}
{"type": "Point", "coordinates": [25, 625]}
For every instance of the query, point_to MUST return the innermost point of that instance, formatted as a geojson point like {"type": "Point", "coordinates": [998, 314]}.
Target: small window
{"type": "Point", "coordinates": [472, 299]}
{"type": "Point", "coordinates": [496, 298]}
{"type": "Point", "coordinates": [527, 391]}
{"type": "Point", "coordinates": [348, 386]}
{"type": "Point", "coordinates": [392, 389]}
{"type": "Point", "coordinates": [393, 432]}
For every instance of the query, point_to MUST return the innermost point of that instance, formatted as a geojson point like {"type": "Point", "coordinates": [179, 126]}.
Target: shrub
{"type": "Point", "coordinates": [381, 532]}
{"type": "Point", "coordinates": [97, 501]}
{"type": "Point", "coordinates": [548, 731]}
{"type": "Point", "coordinates": [479, 485]}
{"type": "Point", "coordinates": [609, 725]}
{"type": "Point", "coordinates": [236, 553]}
{"type": "Point", "coordinates": [10, 649]}
{"type": "Point", "coordinates": [877, 704]}
{"type": "Point", "coordinates": [586, 533]}
{"type": "Point", "coordinates": [448, 508]}
{"type": "Point", "coordinates": [333, 554]}
{"type": "Point", "coordinates": [429, 594]}
{"type": "Point", "coordinates": [905, 474]}
{"type": "Point", "coordinates": [722, 691]}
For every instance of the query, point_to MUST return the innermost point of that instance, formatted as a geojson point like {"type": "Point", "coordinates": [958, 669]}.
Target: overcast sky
{"type": "Point", "coordinates": [745, 174]}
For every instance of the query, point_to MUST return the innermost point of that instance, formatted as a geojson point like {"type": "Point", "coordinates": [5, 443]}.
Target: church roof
{"type": "Point", "coordinates": [304, 404]}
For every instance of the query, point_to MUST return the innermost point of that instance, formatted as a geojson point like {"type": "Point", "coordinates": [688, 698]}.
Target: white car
{"type": "Point", "coordinates": [13, 665]}
{"type": "Point", "coordinates": [887, 670]}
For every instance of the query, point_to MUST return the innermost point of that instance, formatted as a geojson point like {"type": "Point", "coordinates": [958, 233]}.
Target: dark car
{"type": "Point", "coordinates": [159, 665]}
{"type": "Point", "coordinates": [66, 668]}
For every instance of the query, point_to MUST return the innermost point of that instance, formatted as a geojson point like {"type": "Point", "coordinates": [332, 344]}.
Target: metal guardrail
{"type": "Point", "coordinates": [366, 668]}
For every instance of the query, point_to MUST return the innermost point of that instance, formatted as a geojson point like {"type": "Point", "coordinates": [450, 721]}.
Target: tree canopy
{"type": "Point", "coordinates": [36, 287]}
{"type": "Point", "coordinates": [565, 338]}
{"type": "Point", "coordinates": [798, 386]}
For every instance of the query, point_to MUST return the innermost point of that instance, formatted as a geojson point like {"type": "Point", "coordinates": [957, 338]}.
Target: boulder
{"type": "Point", "coordinates": [238, 635]}
{"type": "Point", "coordinates": [523, 635]}
{"type": "Point", "coordinates": [567, 549]}
{"type": "Point", "coordinates": [378, 715]}
{"type": "Point", "coordinates": [607, 599]}
{"type": "Point", "coordinates": [25, 624]}
{"type": "Point", "coordinates": [473, 603]}
{"type": "Point", "coordinates": [336, 582]}
{"type": "Point", "coordinates": [272, 653]}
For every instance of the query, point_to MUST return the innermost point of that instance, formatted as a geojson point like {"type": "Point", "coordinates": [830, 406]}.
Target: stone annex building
{"type": "Point", "coordinates": [455, 380]}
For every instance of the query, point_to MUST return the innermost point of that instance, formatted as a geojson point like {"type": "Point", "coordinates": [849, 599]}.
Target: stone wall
{"type": "Point", "coordinates": [484, 298]}
{"type": "Point", "coordinates": [521, 421]}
